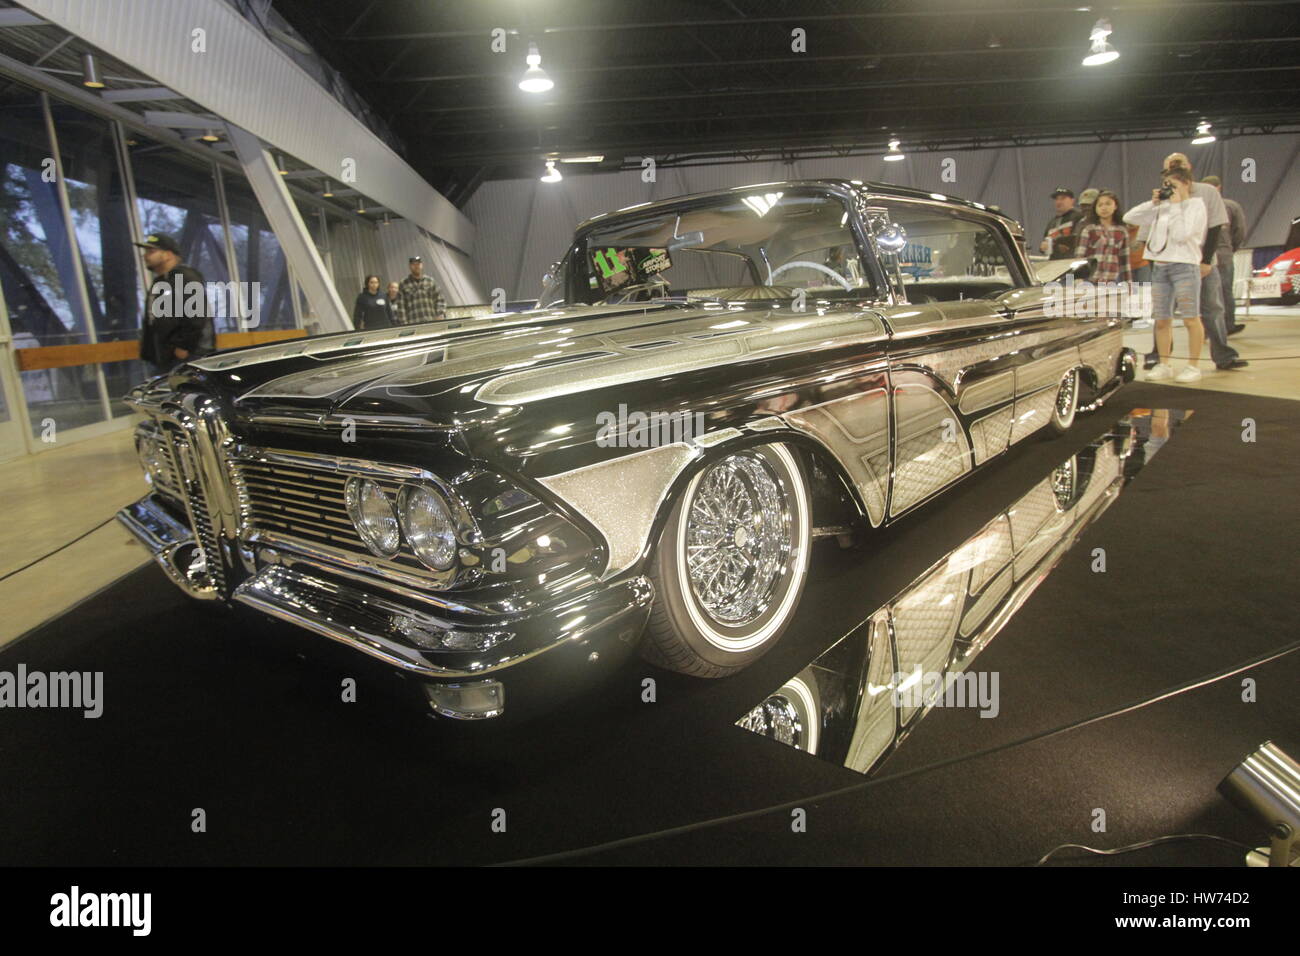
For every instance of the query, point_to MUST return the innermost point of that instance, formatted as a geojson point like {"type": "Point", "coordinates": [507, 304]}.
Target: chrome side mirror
{"type": "Point", "coordinates": [1079, 268]}
{"type": "Point", "coordinates": [891, 237]}
{"type": "Point", "coordinates": [888, 236]}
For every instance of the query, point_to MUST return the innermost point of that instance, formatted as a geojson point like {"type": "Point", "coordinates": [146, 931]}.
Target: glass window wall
{"type": "Point", "coordinates": [85, 284]}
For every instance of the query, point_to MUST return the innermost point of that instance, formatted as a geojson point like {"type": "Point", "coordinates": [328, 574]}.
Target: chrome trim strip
{"type": "Point", "coordinates": [717, 438]}
{"type": "Point", "coordinates": [986, 392]}
{"type": "Point", "coordinates": [990, 321]}
{"type": "Point", "coordinates": [323, 421]}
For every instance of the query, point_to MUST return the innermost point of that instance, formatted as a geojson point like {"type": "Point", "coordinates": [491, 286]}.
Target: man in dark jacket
{"type": "Point", "coordinates": [177, 324]}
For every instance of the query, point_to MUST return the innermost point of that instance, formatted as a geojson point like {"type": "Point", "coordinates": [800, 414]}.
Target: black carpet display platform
{"type": "Point", "coordinates": [244, 719]}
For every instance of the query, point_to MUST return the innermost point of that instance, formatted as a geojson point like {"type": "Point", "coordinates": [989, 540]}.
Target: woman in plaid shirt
{"type": "Point", "coordinates": [1104, 237]}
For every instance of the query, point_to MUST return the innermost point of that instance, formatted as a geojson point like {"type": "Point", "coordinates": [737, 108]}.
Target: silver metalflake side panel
{"type": "Point", "coordinates": [932, 450]}
{"type": "Point", "coordinates": [1032, 413]}
{"type": "Point", "coordinates": [990, 435]}
{"type": "Point", "coordinates": [987, 392]}
{"type": "Point", "coordinates": [1101, 354]}
{"type": "Point", "coordinates": [1045, 372]}
{"type": "Point", "coordinates": [622, 497]}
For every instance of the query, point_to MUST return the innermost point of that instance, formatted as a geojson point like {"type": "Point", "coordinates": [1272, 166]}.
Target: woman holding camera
{"type": "Point", "coordinates": [1176, 222]}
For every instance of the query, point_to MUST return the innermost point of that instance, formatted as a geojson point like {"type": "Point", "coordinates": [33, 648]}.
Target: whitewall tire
{"type": "Point", "coordinates": [731, 563]}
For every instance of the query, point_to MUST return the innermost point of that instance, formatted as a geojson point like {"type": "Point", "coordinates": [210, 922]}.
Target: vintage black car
{"type": "Point", "coordinates": [520, 500]}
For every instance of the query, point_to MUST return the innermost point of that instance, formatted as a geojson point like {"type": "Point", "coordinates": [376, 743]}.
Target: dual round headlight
{"type": "Point", "coordinates": [419, 513]}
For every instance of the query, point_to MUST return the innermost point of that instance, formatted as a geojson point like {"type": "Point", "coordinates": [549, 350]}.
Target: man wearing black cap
{"type": "Point", "coordinates": [177, 324]}
{"type": "Point", "coordinates": [1062, 229]}
{"type": "Point", "coordinates": [421, 298]}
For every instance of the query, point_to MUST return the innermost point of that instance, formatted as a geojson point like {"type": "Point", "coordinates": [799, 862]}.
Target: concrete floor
{"type": "Point", "coordinates": [56, 497]}
{"type": "Point", "coordinates": [1270, 342]}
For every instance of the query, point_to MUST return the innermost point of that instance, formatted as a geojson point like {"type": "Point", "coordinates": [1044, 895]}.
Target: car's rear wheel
{"type": "Point", "coordinates": [731, 563]}
{"type": "Point", "coordinates": [1066, 405]}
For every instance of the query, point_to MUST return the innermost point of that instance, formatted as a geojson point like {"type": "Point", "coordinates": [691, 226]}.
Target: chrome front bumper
{"type": "Point", "coordinates": [392, 625]}
{"type": "Point", "coordinates": [172, 545]}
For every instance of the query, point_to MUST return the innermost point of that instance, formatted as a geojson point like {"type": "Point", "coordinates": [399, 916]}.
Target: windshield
{"type": "Point", "coordinates": [759, 245]}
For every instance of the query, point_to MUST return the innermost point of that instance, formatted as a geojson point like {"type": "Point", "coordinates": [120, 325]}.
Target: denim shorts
{"type": "Point", "coordinates": [1175, 290]}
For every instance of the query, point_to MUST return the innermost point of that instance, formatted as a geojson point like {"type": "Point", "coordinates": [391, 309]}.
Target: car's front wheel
{"type": "Point", "coordinates": [731, 563]}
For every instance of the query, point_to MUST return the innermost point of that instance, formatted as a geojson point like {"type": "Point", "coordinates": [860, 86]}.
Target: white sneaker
{"type": "Point", "coordinates": [1159, 373]}
{"type": "Point", "coordinates": [1188, 374]}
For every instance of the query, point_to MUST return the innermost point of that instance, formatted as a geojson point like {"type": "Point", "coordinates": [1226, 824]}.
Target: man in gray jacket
{"type": "Point", "coordinates": [1230, 240]}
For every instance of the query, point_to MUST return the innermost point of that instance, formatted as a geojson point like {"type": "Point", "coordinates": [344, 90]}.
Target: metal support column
{"type": "Point", "coordinates": [296, 242]}
{"type": "Point", "coordinates": [79, 287]}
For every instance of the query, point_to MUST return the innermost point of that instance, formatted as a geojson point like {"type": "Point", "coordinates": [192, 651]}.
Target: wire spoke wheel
{"type": "Point", "coordinates": [731, 562]}
{"type": "Point", "coordinates": [738, 539]}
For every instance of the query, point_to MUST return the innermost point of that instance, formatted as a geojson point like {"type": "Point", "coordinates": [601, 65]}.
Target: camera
{"type": "Point", "coordinates": [1165, 191]}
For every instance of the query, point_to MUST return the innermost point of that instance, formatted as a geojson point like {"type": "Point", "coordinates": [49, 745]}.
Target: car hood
{"type": "Point", "coordinates": [451, 376]}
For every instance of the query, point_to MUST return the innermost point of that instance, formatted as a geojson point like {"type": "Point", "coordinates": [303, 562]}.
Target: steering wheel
{"type": "Point", "coordinates": [633, 293]}
{"type": "Point", "coordinates": [844, 283]}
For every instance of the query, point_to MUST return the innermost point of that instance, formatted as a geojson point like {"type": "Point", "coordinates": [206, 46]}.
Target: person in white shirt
{"type": "Point", "coordinates": [1175, 230]}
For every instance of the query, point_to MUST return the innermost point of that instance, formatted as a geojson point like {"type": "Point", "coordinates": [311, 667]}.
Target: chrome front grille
{"type": "Point", "coordinates": [300, 502]}
{"type": "Point", "coordinates": [167, 479]}
{"type": "Point", "coordinates": [184, 468]}
{"type": "Point", "coordinates": [159, 462]}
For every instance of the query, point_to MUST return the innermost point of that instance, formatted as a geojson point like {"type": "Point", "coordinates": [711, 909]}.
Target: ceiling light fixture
{"type": "Point", "coordinates": [361, 206]}
{"type": "Point", "coordinates": [279, 165]}
{"type": "Point", "coordinates": [1101, 51]}
{"type": "Point", "coordinates": [90, 72]}
{"type": "Point", "coordinates": [1203, 135]}
{"type": "Point", "coordinates": [894, 154]}
{"type": "Point", "coordinates": [329, 190]}
{"type": "Point", "coordinates": [582, 159]}
{"type": "Point", "coordinates": [535, 79]}
{"type": "Point", "coordinates": [386, 222]}
{"type": "Point", "coordinates": [210, 136]}
{"type": "Point", "coordinates": [552, 174]}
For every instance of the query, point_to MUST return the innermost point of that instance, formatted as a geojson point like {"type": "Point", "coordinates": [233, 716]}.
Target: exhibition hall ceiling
{"type": "Point", "coordinates": [684, 81]}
